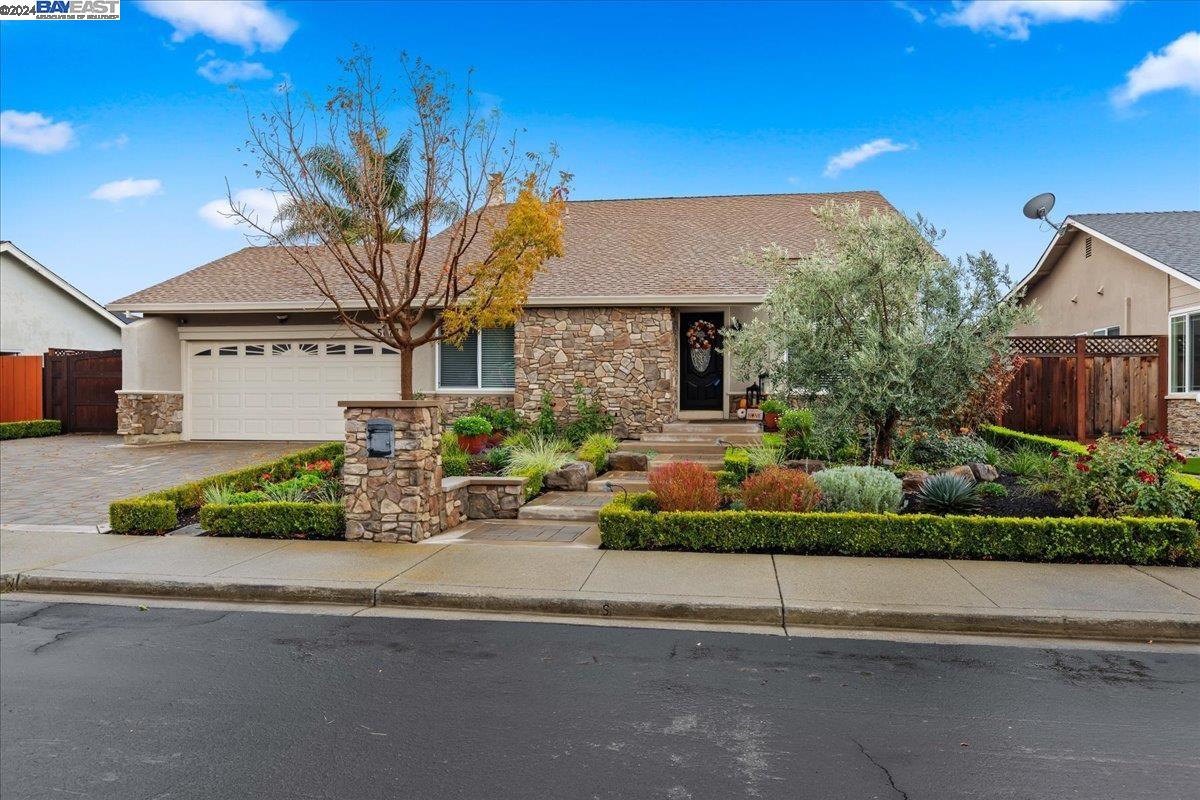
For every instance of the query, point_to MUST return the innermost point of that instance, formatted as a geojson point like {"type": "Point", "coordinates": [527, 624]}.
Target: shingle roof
{"type": "Point", "coordinates": [1169, 237]}
{"type": "Point", "coordinates": [670, 246]}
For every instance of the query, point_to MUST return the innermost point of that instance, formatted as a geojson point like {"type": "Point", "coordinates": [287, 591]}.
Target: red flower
{"type": "Point", "coordinates": [266, 476]}
{"type": "Point", "coordinates": [1082, 467]}
{"type": "Point", "coordinates": [1054, 453]}
{"type": "Point", "coordinates": [1091, 448]}
{"type": "Point", "coordinates": [1147, 477]}
{"type": "Point", "coordinates": [1181, 458]}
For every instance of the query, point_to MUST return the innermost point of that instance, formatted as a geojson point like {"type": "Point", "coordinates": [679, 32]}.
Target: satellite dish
{"type": "Point", "coordinates": [1039, 208]}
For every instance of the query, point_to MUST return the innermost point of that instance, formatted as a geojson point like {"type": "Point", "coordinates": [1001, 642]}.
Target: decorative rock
{"type": "Point", "coordinates": [145, 417]}
{"type": "Point", "coordinates": [984, 472]}
{"type": "Point", "coordinates": [809, 465]}
{"type": "Point", "coordinates": [913, 479]}
{"type": "Point", "coordinates": [962, 471]}
{"type": "Point", "coordinates": [573, 477]}
{"type": "Point", "coordinates": [628, 461]}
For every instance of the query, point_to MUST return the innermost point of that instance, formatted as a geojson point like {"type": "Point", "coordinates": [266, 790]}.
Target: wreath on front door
{"type": "Point", "coordinates": [702, 337]}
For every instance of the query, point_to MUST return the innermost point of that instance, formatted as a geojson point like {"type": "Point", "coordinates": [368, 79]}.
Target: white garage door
{"type": "Point", "coordinates": [283, 389]}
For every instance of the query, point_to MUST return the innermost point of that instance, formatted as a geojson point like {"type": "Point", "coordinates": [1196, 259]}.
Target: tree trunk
{"type": "Point", "coordinates": [883, 438]}
{"type": "Point", "coordinates": [406, 385]}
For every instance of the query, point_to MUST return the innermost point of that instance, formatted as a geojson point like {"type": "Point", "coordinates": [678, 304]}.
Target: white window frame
{"type": "Point", "coordinates": [478, 388]}
{"type": "Point", "coordinates": [1105, 331]}
{"type": "Point", "coordinates": [1175, 314]}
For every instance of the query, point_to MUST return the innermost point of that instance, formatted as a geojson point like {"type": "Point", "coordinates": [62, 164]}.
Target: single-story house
{"type": "Point", "coordinates": [1127, 274]}
{"type": "Point", "coordinates": [39, 310]}
{"type": "Point", "coordinates": [246, 348]}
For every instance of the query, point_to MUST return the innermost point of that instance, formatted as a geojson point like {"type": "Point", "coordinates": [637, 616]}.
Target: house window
{"type": "Point", "coordinates": [254, 349]}
{"type": "Point", "coordinates": [1185, 352]}
{"type": "Point", "coordinates": [1115, 330]}
{"type": "Point", "coordinates": [484, 361]}
{"type": "Point", "coordinates": [229, 350]}
{"type": "Point", "coordinates": [335, 349]}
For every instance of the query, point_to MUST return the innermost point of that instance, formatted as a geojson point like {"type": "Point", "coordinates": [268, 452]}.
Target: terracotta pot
{"type": "Point", "coordinates": [473, 444]}
{"type": "Point", "coordinates": [771, 421]}
{"type": "Point", "coordinates": [496, 438]}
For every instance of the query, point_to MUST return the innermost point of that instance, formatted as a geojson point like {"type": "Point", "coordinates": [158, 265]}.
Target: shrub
{"type": "Point", "coordinates": [859, 489]}
{"type": "Point", "coordinates": [796, 426]}
{"type": "Point", "coordinates": [764, 456]}
{"type": "Point", "coordinates": [140, 515]}
{"type": "Point", "coordinates": [1122, 476]}
{"type": "Point", "coordinates": [252, 496]}
{"type": "Point", "coordinates": [454, 460]}
{"type": "Point", "coordinates": [940, 449]}
{"type": "Point", "coordinates": [777, 489]}
{"type": "Point", "coordinates": [472, 426]}
{"type": "Point", "coordinates": [684, 486]}
{"type": "Point", "coordinates": [629, 523]}
{"type": "Point", "coordinates": [497, 458]}
{"type": "Point", "coordinates": [1026, 462]}
{"type": "Point", "coordinates": [275, 520]}
{"type": "Point", "coordinates": [504, 420]}
{"type": "Point", "coordinates": [546, 425]}
{"type": "Point", "coordinates": [948, 494]}
{"type": "Point", "coordinates": [218, 493]}
{"type": "Point", "coordinates": [728, 482]}
{"type": "Point", "coordinates": [29, 429]}
{"type": "Point", "coordinates": [590, 418]}
{"type": "Point", "coordinates": [1008, 439]}
{"type": "Point", "coordinates": [536, 460]}
{"type": "Point", "coordinates": [595, 449]}
{"type": "Point", "coordinates": [773, 406]}
{"type": "Point", "coordinates": [737, 463]}
{"type": "Point", "coordinates": [991, 490]}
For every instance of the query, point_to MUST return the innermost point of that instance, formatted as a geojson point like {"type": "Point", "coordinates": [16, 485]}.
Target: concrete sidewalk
{"type": "Point", "coordinates": [1078, 600]}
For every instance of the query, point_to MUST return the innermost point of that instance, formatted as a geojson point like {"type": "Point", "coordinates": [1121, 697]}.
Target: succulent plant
{"type": "Point", "coordinates": [948, 493]}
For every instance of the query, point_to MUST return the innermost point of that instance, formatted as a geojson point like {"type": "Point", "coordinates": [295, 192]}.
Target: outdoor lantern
{"type": "Point", "coordinates": [381, 438]}
{"type": "Point", "coordinates": [753, 395]}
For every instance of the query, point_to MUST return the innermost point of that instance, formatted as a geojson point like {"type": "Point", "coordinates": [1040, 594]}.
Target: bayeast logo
{"type": "Point", "coordinates": [82, 10]}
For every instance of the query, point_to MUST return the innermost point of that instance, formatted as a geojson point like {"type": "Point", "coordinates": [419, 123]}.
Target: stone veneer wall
{"type": "Point", "coordinates": [458, 405]}
{"type": "Point", "coordinates": [1183, 421]}
{"type": "Point", "coordinates": [144, 417]}
{"type": "Point", "coordinates": [625, 357]}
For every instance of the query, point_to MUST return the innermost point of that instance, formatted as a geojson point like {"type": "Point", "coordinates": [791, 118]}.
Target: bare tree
{"type": "Point", "coordinates": [365, 183]}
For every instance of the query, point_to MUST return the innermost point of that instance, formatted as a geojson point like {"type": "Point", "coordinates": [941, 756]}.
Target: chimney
{"type": "Point", "coordinates": [496, 194]}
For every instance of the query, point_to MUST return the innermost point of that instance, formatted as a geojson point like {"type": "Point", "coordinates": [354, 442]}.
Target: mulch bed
{"type": "Point", "coordinates": [1020, 502]}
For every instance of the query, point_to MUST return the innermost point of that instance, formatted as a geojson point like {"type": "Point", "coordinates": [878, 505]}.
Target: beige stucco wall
{"type": "Point", "coordinates": [1135, 295]}
{"type": "Point", "coordinates": [36, 315]}
{"type": "Point", "coordinates": [150, 356]}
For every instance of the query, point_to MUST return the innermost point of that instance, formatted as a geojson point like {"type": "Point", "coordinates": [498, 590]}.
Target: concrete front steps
{"type": "Point", "coordinates": [701, 442]}
{"type": "Point", "coordinates": [570, 506]}
{"type": "Point", "coordinates": [620, 479]}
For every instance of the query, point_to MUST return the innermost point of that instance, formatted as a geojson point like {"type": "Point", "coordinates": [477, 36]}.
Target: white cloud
{"type": "Point", "coordinates": [248, 23]}
{"type": "Point", "coordinates": [1176, 66]}
{"type": "Point", "coordinates": [917, 15]}
{"type": "Point", "coordinates": [116, 191]}
{"type": "Point", "coordinates": [1012, 19]}
{"type": "Point", "coordinates": [849, 159]}
{"type": "Point", "coordinates": [119, 141]}
{"type": "Point", "coordinates": [910, 50]}
{"type": "Point", "coordinates": [221, 71]}
{"type": "Point", "coordinates": [261, 205]}
{"type": "Point", "coordinates": [34, 132]}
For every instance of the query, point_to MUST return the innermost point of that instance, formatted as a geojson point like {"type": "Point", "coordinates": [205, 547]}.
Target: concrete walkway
{"type": "Point", "coordinates": [926, 594]}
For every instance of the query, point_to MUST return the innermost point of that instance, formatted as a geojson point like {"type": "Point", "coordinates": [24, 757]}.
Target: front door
{"type": "Point", "coordinates": [701, 367]}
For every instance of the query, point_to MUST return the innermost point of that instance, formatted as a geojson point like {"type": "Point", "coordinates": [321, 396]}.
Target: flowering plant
{"type": "Point", "coordinates": [1124, 475]}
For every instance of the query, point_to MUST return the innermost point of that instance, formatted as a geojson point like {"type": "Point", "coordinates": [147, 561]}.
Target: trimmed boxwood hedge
{"type": "Point", "coordinates": [275, 520]}
{"type": "Point", "coordinates": [1009, 439]}
{"type": "Point", "coordinates": [627, 523]}
{"type": "Point", "coordinates": [737, 463]}
{"type": "Point", "coordinates": [161, 508]}
{"type": "Point", "coordinates": [30, 428]}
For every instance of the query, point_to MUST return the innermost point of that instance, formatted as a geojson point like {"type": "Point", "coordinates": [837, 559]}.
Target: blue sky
{"type": "Point", "coordinates": [116, 134]}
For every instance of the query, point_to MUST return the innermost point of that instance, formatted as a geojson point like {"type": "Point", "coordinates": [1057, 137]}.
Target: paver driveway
{"type": "Point", "coordinates": [70, 480]}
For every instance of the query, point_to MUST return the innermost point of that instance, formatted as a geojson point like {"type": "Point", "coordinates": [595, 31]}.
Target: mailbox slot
{"type": "Point", "coordinates": [381, 438]}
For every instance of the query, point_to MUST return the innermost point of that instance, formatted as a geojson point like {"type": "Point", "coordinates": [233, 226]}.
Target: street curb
{"type": "Point", "coordinates": [397, 594]}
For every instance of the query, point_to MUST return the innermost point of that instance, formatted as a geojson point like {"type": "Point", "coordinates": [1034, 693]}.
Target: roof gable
{"type": "Point", "coordinates": [51, 277]}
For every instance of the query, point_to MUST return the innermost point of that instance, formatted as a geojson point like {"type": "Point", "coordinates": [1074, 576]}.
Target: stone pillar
{"type": "Point", "coordinates": [1183, 420]}
{"type": "Point", "coordinates": [397, 498]}
{"type": "Point", "coordinates": [146, 417]}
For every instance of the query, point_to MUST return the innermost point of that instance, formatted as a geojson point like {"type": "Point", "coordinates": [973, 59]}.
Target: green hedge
{"type": "Point", "coordinates": [123, 514]}
{"type": "Point", "coordinates": [737, 463]}
{"type": "Point", "coordinates": [30, 428]}
{"type": "Point", "coordinates": [1130, 540]}
{"type": "Point", "coordinates": [275, 520]}
{"type": "Point", "coordinates": [1008, 439]}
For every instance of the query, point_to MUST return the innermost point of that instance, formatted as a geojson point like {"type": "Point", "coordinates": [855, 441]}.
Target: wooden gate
{"type": "Point", "coordinates": [20, 388]}
{"type": "Point", "coordinates": [1085, 386]}
{"type": "Point", "coordinates": [81, 389]}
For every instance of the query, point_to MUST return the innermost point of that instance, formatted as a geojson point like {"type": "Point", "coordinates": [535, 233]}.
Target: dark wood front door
{"type": "Point", "coordinates": [701, 370]}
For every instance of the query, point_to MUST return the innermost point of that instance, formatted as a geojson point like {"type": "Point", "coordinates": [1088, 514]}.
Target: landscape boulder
{"type": "Point", "coordinates": [913, 479]}
{"type": "Point", "coordinates": [628, 461]}
{"type": "Point", "coordinates": [984, 473]}
{"type": "Point", "coordinates": [573, 477]}
{"type": "Point", "coordinates": [962, 471]}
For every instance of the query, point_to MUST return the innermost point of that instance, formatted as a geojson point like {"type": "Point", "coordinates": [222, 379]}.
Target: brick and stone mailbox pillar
{"type": "Point", "coordinates": [392, 494]}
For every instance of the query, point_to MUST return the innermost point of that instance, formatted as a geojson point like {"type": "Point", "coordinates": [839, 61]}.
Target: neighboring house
{"type": "Point", "coordinates": [39, 310]}
{"type": "Point", "coordinates": [1128, 274]}
{"type": "Point", "coordinates": [246, 347]}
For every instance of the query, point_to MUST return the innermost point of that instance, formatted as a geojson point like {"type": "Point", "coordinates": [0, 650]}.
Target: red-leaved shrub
{"type": "Point", "coordinates": [684, 486]}
{"type": "Point", "coordinates": [779, 489]}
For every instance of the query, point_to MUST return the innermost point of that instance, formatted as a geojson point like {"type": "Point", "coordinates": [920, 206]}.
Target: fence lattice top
{"type": "Point", "coordinates": [1093, 345]}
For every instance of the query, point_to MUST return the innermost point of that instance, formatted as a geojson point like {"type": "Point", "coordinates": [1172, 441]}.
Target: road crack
{"type": "Point", "coordinates": [886, 772]}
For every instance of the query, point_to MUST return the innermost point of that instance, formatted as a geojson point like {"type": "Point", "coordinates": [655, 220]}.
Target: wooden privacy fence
{"type": "Point", "coordinates": [20, 388]}
{"type": "Point", "coordinates": [81, 389]}
{"type": "Point", "coordinates": [1085, 386]}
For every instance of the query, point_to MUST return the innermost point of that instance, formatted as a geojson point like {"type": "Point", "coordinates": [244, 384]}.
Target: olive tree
{"type": "Point", "coordinates": [875, 326]}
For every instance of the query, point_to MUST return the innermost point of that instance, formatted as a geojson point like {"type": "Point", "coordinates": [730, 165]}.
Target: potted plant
{"type": "Point", "coordinates": [504, 421]}
{"type": "Point", "coordinates": [473, 433]}
{"type": "Point", "coordinates": [771, 410]}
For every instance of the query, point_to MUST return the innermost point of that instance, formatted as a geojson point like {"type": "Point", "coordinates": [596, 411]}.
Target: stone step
{"type": "Point", "coordinates": [695, 448]}
{"type": "Point", "coordinates": [629, 481]}
{"type": "Point", "coordinates": [739, 439]}
{"type": "Point", "coordinates": [713, 463]}
{"type": "Point", "coordinates": [572, 506]}
{"type": "Point", "coordinates": [729, 426]}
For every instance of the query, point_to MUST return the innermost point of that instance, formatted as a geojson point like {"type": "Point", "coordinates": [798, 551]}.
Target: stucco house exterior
{"type": "Point", "coordinates": [1127, 274]}
{"type": "Point", "coordinates": [245, 347]}
{"type": "Point", "coordinates": [39, 310]}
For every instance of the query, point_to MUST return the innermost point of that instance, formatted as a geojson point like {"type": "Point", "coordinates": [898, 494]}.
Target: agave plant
{"type": "Point", "coordinates": [286, 492]}
{"type": "Point", "coordinates": [218, 494]}
{"type": "Point", "coordinates": [948, 493]}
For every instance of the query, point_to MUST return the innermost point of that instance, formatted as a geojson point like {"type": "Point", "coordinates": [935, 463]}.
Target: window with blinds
{"type": "Point", "coordinates": [484, 361]}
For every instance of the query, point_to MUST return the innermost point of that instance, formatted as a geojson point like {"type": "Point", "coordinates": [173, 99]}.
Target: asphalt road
{"type": "Point", "coordinates": [114, 702]}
